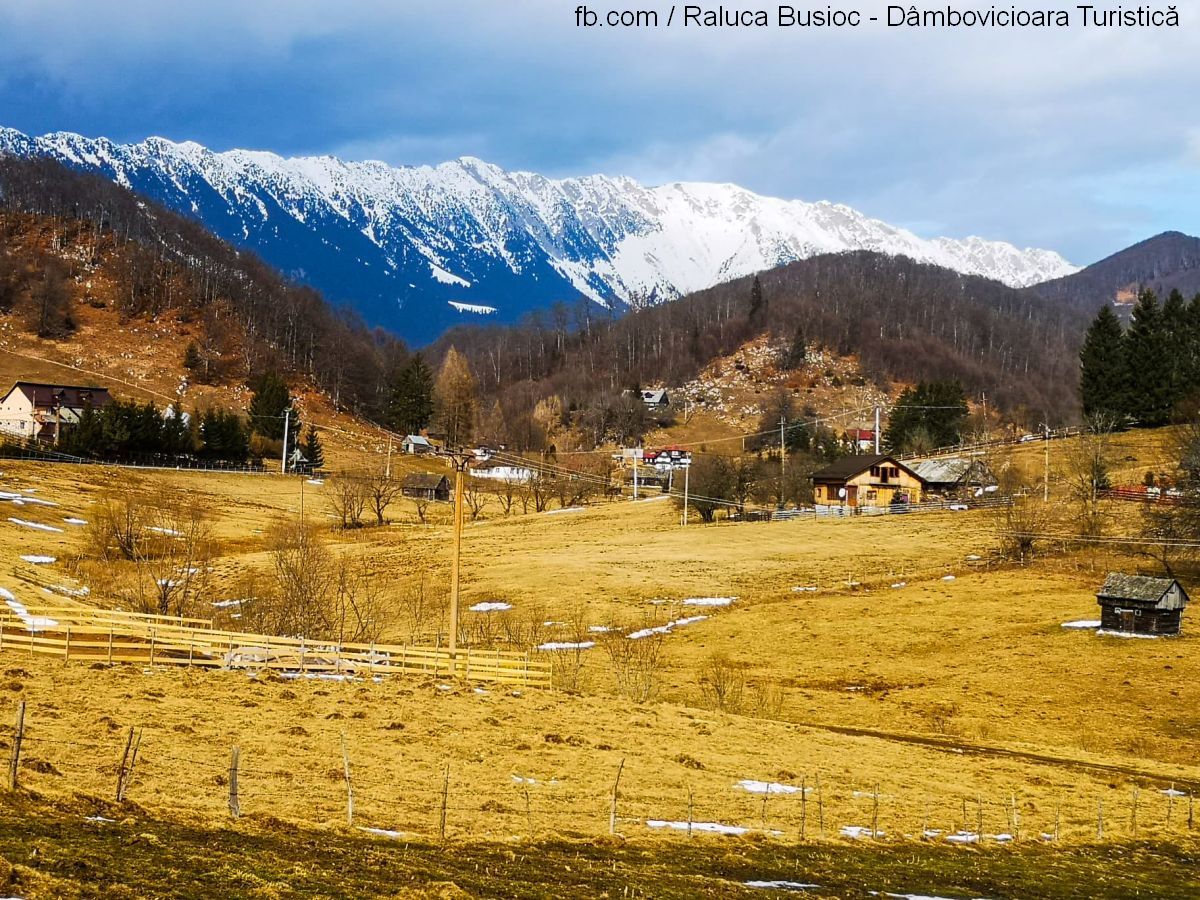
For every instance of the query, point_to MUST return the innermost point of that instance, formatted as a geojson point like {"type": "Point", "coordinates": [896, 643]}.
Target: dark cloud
{"type": "Point", "coordinates": [1038, 138]}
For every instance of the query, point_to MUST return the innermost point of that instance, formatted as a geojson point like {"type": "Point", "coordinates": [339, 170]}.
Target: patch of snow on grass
{"type": "Point", "coordinates": [899, 584]}
{"type": "Point", "coordinates": [36, 525]}
{"type": "Point", "coordinates": [383, 832]}
{"type": "Point", "coordinates": [710, 827]}
{"type": "Point", "coordinates": [783, 885]}
{"type": "Point", "coordinates": [1082, 623]}
{"type": "Point", "coordinates": [664, 629]}
{"type": "Point", "coordinates": [804, 589]}
{"type": "Point", "coordinates": [565, 509]}
{"type": "Point", "coordinates": [74, 521]}
{"type": "Point", "coordinates": [768, 787]}
{"type": "Point", "coordinates": [491, 606]}
{"type": "Point", "coordinates": [963, 837]}
{"type": "Point", "coordinates": [1172, 792]}
{"type": "Point", "coordinates": [38, 560]}
{"type": "Point", "coordinates": [858, 832]}
{"type": "Point", "coordinates": [709, 601]}
{"type": "Point", "coordinates": [170, 532]}
{"type": "Point", "coordinates": [31, 623]}
{"type": "Point", "coordinates": [1127, 634]}
{"type": "Point", "coordinates": [947, 578]}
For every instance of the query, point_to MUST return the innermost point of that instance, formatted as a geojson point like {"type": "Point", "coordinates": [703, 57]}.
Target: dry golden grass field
{"type": "Point", "coordinates": [922, 683]}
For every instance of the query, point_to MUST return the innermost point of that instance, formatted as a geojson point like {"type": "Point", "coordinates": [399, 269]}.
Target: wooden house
{"type": "Point", "coordinates": [426, 486]}
{"type": "Point", "coordinates": [1139, 604]}
{"type": "Point", "coordinates": [867, 482]}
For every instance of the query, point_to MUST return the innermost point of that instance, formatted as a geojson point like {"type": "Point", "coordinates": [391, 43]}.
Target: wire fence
{"type": "Point", "coordinates": [328, 782]}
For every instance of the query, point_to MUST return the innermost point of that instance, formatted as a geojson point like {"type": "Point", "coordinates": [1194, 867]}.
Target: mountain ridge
{"type": "Point", "coordinates": [421, 248]}
{"type": "Point", "coordinates": [1162, 263]}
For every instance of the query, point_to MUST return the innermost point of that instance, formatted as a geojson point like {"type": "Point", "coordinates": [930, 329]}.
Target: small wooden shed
{"type": "Point", "coordinates": [426, 486]}
{"type": "Point", "coordinates": [1140, 604]}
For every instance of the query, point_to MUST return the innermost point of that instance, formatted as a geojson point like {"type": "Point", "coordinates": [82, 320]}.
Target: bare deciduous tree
{"type": "Point", "coordinates": [381, 490]}
{"type": "Point", "coordinates": [348, 496]}
{"type": "Point", "coordinates": [636, 660]}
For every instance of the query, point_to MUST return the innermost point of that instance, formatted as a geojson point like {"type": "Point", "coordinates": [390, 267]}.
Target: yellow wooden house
{"type": "Point", "coordinates": [866, 482]}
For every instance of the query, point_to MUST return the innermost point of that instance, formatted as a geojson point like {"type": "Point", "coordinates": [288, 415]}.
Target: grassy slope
{"type": "Point", "coordinates": [56, 855]}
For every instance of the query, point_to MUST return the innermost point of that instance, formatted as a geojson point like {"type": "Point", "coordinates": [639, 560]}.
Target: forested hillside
{"type": "Point", "coordinates": [67, 238]}
{"type": "Point", "coordinates": [905, 321]}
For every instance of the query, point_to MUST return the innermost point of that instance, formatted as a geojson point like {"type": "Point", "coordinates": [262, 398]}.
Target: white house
{"type": "Point", "coordinates": [36, 411]}
{"type": "Point", "coordinates": [502, 472]}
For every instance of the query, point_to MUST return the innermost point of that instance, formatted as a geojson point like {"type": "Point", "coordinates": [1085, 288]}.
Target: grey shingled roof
{"type": "Point", "coordinates": [1118, 586]}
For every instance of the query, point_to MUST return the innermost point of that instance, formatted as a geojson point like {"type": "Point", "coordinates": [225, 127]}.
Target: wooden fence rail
{"type": "Point", "coordinates": [114, 637]}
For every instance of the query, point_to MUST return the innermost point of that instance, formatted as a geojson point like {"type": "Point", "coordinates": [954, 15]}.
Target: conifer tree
{"type": "Point", "coordinates": [271, 398]}
{"type": "Point", "coordinates": [410, 405]}
{"type": "Point", "coordinates": [311, 448]}
{"type": "Point", "coordinates": [758, 303]}
{"type": "Point", "coordinates": [798, 351]}
{"type": "Point", "coordinates": [1103, 377]}
{"type": "Point", "coordinates": [1147, 357]}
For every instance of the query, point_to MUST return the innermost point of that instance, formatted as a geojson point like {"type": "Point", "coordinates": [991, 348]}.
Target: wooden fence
{"type": "Point", "coordinates": [109, 636]}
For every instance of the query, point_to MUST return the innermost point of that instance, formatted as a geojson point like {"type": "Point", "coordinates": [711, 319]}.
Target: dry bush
{"type": "Point", "coordinates": [118, 522]}
{"type": "Point", "coordinates": [722, 682]}
{"type": "Point", "coordinates": [421, 609]}
{"type": "Point", "coordinates": [766, 700]}
{"type": "Point", "coordinates": [525, 626]}
{"type": "Point", "coordinates": [303, 576]}
{"type": "Point", "coordinates": [637, 663]}
{"type": "Point", "coordinates": [359, 611]}
{"type": "Point", "coordinates": [348, 495]}
{"type": "Point", "coordinates": [1020, 524]}
{"type": "Point", "coordinates": [155, 550]}
{"type": "Point", "coordinates": [567, 660]}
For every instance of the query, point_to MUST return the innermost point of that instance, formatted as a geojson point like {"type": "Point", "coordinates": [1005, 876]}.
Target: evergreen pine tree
{"type": "Point", "coordinates": [271, 398]}
{"type": "Point", "coordinates": [1103, 377]}
{"type": "Point", "coordinates": [1147, 359]}
{"type": "Point", "coordinates": [1175, 326]}
{"type": "Point", "coordinates": [798, 351]}
{"type": "Point", "coordinates": [311, 448]}
{"type": "Point", "coordinates": [410, 406]}
{"type": "Point", "coordinates": [932, 413]}
{"type": "Point", "coordinates": [758, 303]}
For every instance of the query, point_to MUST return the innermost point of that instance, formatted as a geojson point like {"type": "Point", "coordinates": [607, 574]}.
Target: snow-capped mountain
{"type": "Point", "coordinates": [418, 249]}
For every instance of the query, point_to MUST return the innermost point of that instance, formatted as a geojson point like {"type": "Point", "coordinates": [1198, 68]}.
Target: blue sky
{"type": "Point", "coordinates": [1077, 140]}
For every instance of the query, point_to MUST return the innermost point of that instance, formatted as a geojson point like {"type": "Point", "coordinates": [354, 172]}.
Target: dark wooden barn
{"type": "Point", "coordinates": [426, 486]}
{"type": "Point", "coordinates": [1141, 605]}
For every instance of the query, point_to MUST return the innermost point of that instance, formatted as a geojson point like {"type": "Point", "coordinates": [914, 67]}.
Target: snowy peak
{"type": "Point", "coordinates": [420, 248]}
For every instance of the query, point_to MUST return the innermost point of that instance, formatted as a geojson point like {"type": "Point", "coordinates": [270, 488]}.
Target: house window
{"type": "Point", "coordinates": [875, 471]}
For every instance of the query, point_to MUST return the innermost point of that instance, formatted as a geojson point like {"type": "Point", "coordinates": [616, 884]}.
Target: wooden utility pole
{"type": "Point", "coordinates": [782, 453]}
{"type": "Point", "coordinates": [877, 431]}
{"type": "Point", "coordinates": [388, 472]}
{"type": "Point", "coordinates": [1046, 476]}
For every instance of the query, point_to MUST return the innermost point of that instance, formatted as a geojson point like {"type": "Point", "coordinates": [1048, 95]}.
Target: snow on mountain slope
{"type": "Point", "coordinates": [413, 248]}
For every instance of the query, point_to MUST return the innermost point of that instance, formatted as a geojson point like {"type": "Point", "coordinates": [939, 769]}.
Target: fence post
{"type": "Point", "coordinates": [690, 808]}
{"type": "Point", "coordinates": [445, 799]}
{"type": "Point", "coordinates": [1099, 820]}
{"type": "Point", "coordinates": [528, 812]}
{"type": "Point", "coordinates": [1170, 804]}
{"type": "Point", "coordinates": [349, 783]}
{"type": "Point", "coordinates": [803, 806]}
{"type": "Point", "coordinates": [1133, 813]}
{"type": "Point", "coordinates": [1057, 821]}
{"type": "Point", "coordinates": [612, 813]}
{"type": "Point", "coordinates": [18, 737]}
{"type": "Point", "coordinates": [235, 808]}
{"type": "Point", "coordinates": [979, 821]}
{"type": "Point", "coordinates": [820, 808]}
{"type": "Point", "coordinates": [875, 814]}
{"type": "Point", "coordinates": [67, 645]}
{"type": "Point", "coordinates": [124, 763]}
{"type": "Point", "coordinates": [110, 643]}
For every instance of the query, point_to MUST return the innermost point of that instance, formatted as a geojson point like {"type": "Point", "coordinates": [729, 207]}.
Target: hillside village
{"type": "Point", "coordinates": [775, 613]}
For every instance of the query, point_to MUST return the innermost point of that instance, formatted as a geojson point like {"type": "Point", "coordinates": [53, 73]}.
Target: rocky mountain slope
{"type": "Point", "coordinates": [418, 249]}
